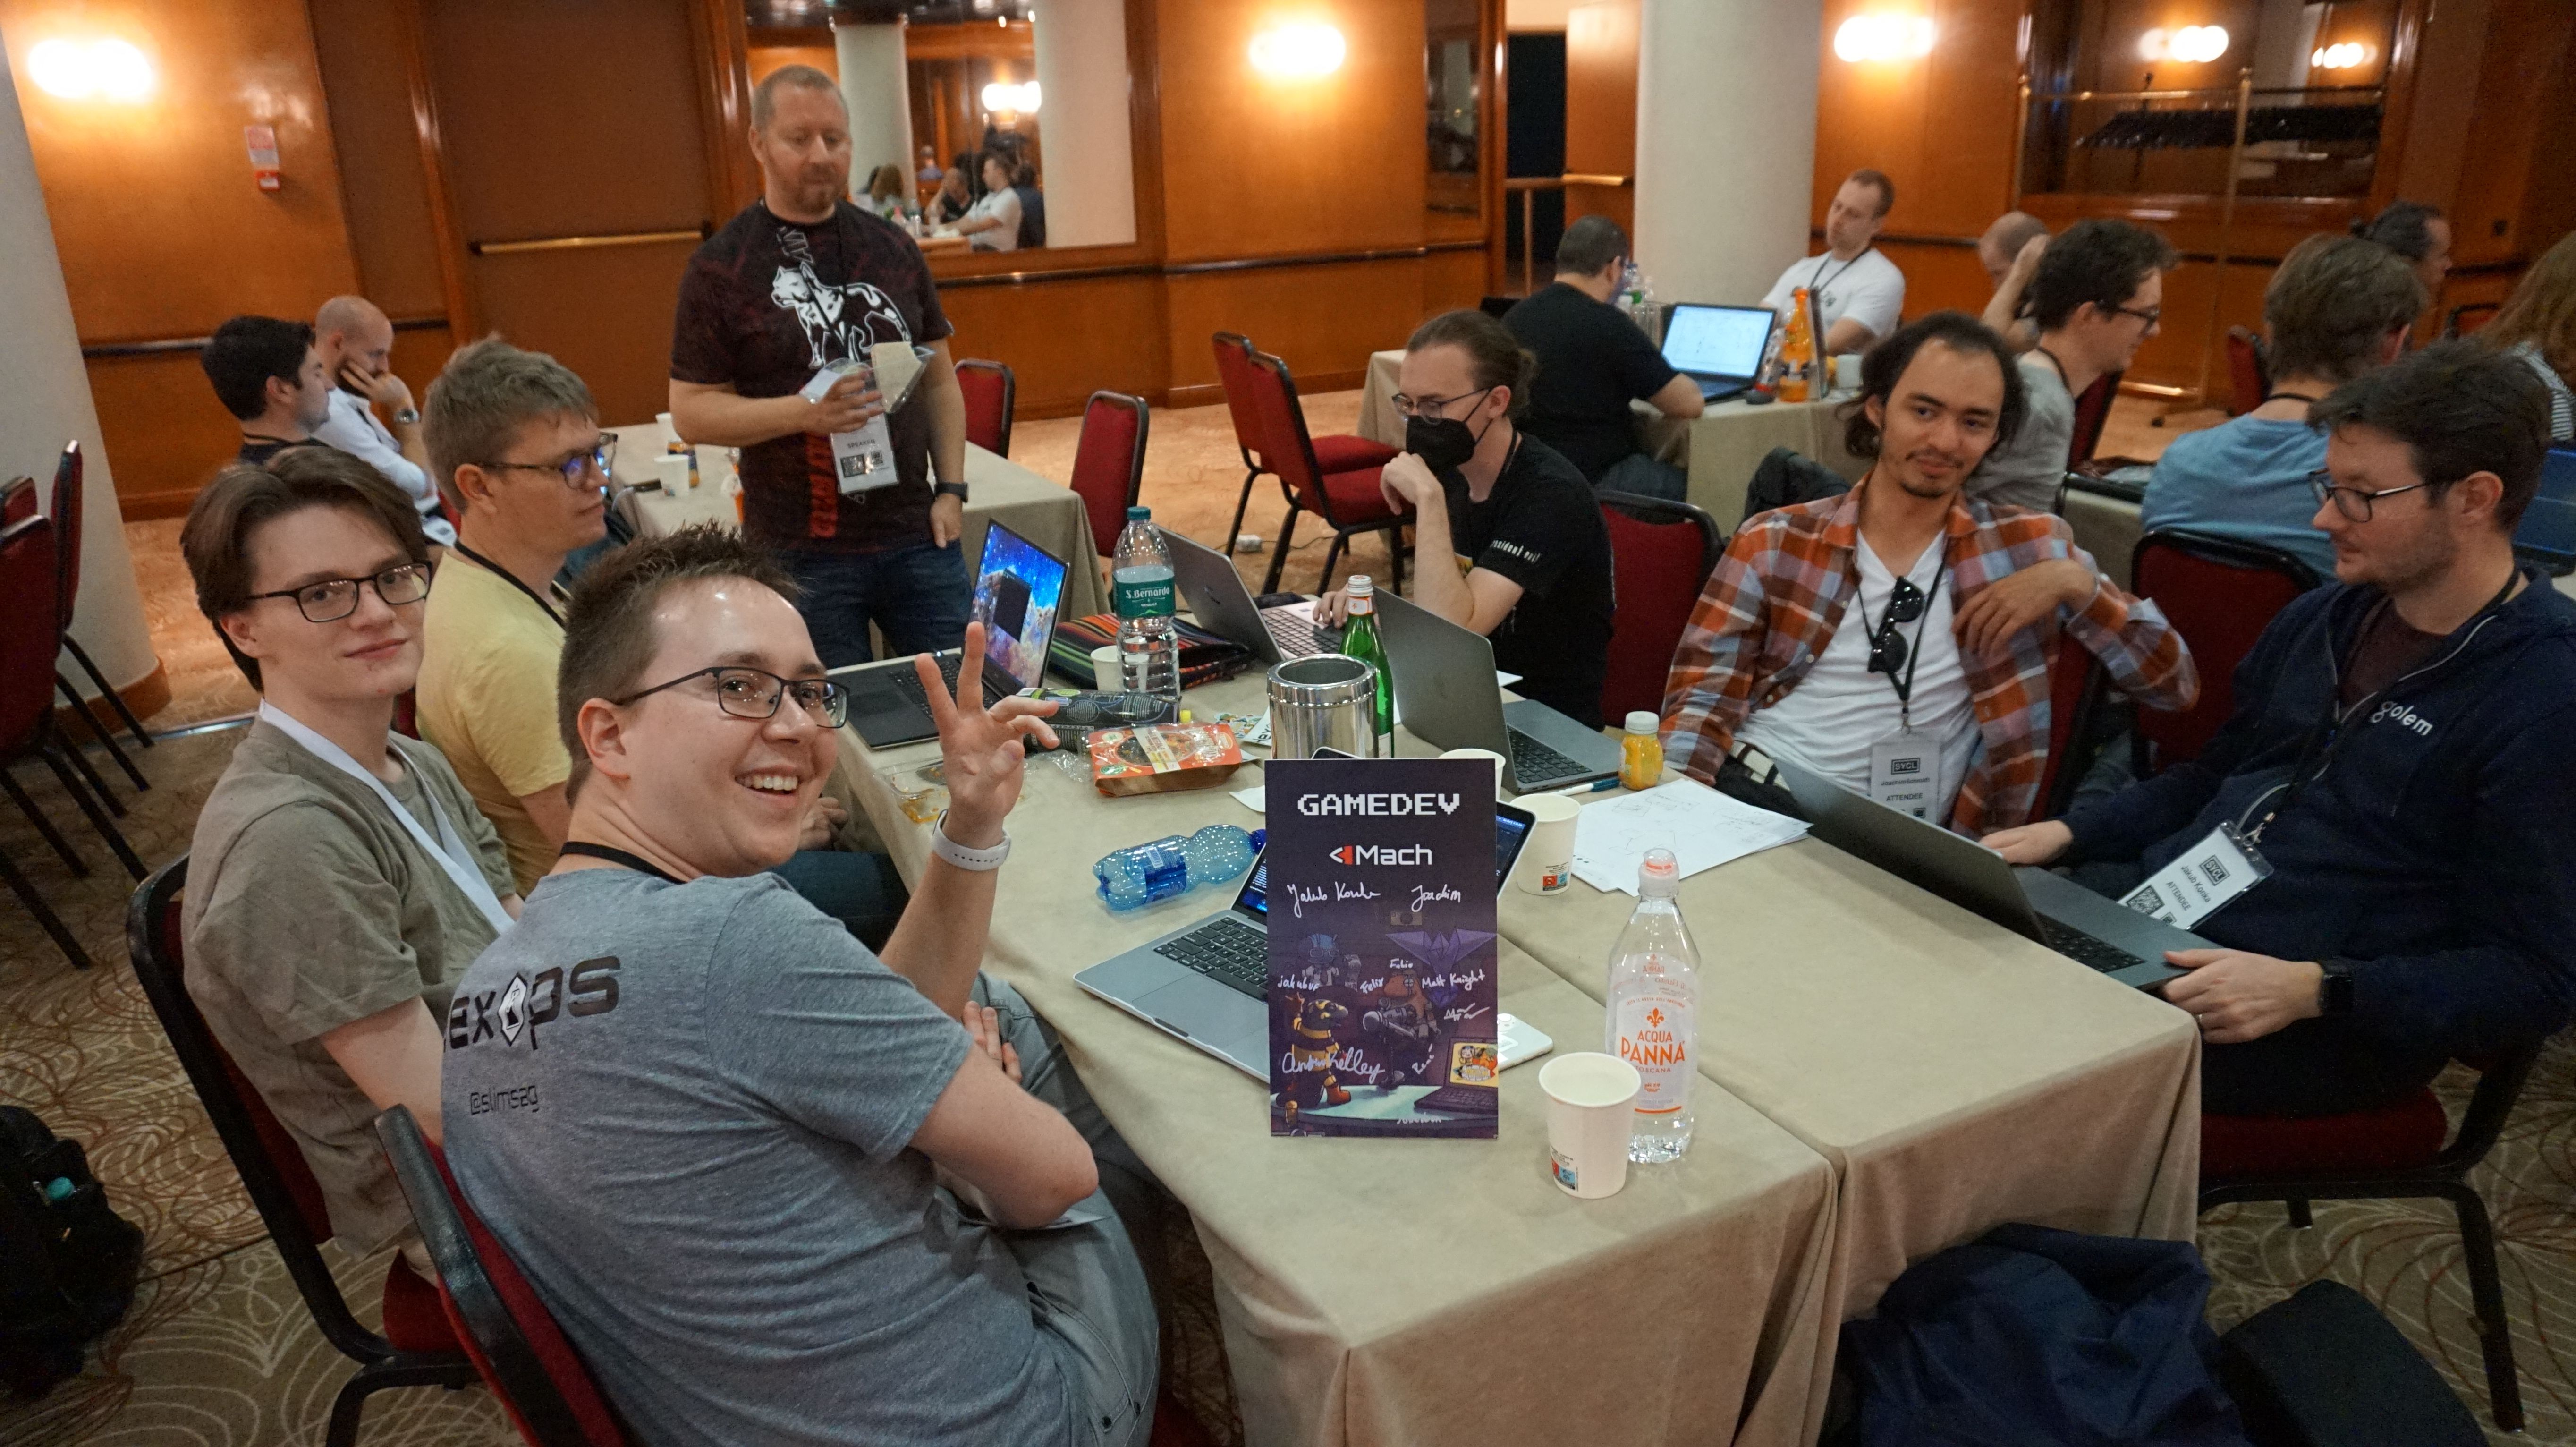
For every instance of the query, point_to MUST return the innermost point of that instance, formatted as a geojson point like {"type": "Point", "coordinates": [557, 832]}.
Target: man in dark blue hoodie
{"type": "Point", "coordinates": [2403, 755]}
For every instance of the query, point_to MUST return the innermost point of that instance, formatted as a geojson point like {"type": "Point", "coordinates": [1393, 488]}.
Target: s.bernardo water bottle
{"type": "Point", "coordinates": [1653, 1011]}
{"type": "Point", "coordinates": [1149, 651]}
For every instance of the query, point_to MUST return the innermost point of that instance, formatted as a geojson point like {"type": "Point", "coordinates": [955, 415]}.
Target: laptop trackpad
{"type": "Point", "coordinates": [2107, 920]}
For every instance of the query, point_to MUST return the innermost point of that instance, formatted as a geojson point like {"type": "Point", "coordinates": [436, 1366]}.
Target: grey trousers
{"type": "Point", "coordinates": [1087, 1287]}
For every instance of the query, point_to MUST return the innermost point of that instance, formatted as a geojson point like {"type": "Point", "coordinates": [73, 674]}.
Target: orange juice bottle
{"type": "Point", "coordinates": [1641, 764]}
{"type": "Point", "coordinates": [1797, 353]}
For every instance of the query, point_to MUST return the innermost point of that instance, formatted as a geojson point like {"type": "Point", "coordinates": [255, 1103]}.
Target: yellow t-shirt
{"type": "Point", "coordinates": [487, 699]}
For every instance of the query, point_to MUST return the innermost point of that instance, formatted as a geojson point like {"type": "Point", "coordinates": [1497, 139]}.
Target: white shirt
{"type": "Point", "coordinates": [352, 427]}
{"type": "Point", "coordinates": [1829, 721]}
{"type": "Point", "coordinates": [1004, 206]}
{"type": "Point", "coordinates": [1869, 290]}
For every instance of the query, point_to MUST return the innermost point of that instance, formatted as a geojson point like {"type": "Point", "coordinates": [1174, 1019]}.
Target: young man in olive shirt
{"type": "Point", "coordinates": [799, 281]}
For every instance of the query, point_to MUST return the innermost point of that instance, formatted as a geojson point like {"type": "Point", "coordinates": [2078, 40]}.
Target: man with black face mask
{"type": "Point", "coordinates": [1533, 556]}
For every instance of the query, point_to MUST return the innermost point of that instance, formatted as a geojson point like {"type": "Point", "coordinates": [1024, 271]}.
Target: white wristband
{"type": "Point", "coordinates": [980, 861]}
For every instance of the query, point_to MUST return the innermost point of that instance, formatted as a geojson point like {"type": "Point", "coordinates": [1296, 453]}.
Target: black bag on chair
{"type": "Point", "coordinates": [2325, 1369]}
{"type": "Point", "coordinates": [67, 1262]}
{"type": "Point", "coordinates": [1786, 477]}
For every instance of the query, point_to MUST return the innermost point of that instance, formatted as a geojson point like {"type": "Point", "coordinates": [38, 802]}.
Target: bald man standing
{"type": "Point", "coordinates": [356, 343]}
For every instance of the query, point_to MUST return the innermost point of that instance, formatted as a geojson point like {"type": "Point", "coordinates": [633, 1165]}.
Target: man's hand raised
{"type": "Point", "coordinates": [979, 747]}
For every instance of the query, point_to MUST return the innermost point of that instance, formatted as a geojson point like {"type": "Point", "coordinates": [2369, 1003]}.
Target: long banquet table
{"type": "Point", "coordinates": [1946, 1075]}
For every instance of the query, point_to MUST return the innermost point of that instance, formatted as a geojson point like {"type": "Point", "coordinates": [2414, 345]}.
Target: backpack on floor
{"type": "Point", "coordinates": [67, 1262]}
{"type": "Point", "coordinates": [2325, 1369]}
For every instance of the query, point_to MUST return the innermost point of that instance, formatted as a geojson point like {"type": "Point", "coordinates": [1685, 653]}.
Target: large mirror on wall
{"type": "Point", "coordinates": [980, 125]}
{"type": "Point", "coordinates": [1453, 44]}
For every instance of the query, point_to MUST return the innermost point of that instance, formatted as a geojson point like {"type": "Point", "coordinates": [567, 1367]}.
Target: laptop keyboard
{"type": "Point", "coordinates": [1534, 762]}
{"type": "Point", "coordinates": [1297, 637]}
{"type": "Point", "coordinates": [1228, 951]}
{"type": "Point", "coordinates": [2084, 949]}
{"type": "Point", "coordinates": [907, 680]}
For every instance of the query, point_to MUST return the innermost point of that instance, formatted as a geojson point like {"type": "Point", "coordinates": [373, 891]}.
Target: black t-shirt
{"type": "Point", "coordinates": [1592, 362]}
{"type": "Point", "coordinates": [1542, 529]}
{"type": "Point", "coordinates": [258, 450]}
{"type": "Point", "coordinates": [764, 305]}
{"type": "Point", "coordinates": [2388, 649]}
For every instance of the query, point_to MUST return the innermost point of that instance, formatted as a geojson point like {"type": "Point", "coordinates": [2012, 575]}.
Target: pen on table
{"type": "Point", "coordinates": [1595, 787]}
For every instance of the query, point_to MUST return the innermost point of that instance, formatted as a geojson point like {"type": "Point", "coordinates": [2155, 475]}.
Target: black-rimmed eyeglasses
{"type": "Point", "coordinates": [593, 461]}
{"type": "Point", "coordinates": [2353, 502]}
{"type": "Point", "coordinates": [754, 693]}
{"type": "Point", "coordinates": [332, 599]}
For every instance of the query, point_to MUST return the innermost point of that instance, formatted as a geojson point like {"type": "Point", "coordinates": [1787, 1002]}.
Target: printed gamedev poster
{"type": "Point", "coordinates": [1382, 948]}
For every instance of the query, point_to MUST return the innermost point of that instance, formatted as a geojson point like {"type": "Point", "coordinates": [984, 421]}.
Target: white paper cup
{"type": "Point", "coordinates": [1591, 1108]}
{"type": "Point", "coordinates": [671, 469]}
{"type": "Point", "coordinates": [670, 433]}
{"type": "Point", "coordinates": [1847, 372]}
{"type": "Point", "coordinates": [1547, 860]}
{"type": "Point", "coordinates": [1107, 674]}
{"type": "Point", "coordinates": [1486, 754]}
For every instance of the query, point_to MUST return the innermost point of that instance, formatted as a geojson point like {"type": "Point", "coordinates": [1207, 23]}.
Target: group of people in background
{"type": "Point", "coordinates": [991, 197]}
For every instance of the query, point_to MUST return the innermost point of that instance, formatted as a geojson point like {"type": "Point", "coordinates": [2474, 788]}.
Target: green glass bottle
{"type": "Point", "coordinates": [1360, 641]}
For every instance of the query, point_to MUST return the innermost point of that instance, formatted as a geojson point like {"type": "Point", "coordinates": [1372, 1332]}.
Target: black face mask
{"type": "Point", "coordinates": [1443, 442]}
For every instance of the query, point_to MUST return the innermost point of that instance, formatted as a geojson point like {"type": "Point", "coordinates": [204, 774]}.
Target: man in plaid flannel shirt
{"type": "Point", "coordinates": [1987, 590]}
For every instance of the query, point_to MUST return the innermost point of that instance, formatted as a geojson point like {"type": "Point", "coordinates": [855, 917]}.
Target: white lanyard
{"type": "Point", "coordinates": [449, 849]}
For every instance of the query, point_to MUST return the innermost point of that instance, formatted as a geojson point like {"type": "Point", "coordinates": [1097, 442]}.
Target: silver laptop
{"type": "Point", "coordinates": [1019, 587]}
{"type": "Point", "coordinates": [1719, 347]}
{"type": "Point", "coordinates": [2055, 911]}
{"type": "Point", "coordinates": [1222, 605]}
{"type": "Point", "coordinates": [1208, 982]}
{"type": "Point", "coordinates": [1445, 693]}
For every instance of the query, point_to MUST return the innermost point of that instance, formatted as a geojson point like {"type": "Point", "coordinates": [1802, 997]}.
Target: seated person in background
{"type": "Point", "coordinates": [515, 437]}
{"type": "Point", "coordinates": [1593, 361]}
{"type": "Point", "coordinates": [2010, 252]}
{"type": "Point", "coordinates": [2418, 233]}
{"type": "Point", "coordinates": [340, 879]}
{"type": "Point", "coordinates": [1828, 626]}
{"type": "Point", "coordinates": [2538, 325]}
{"type": "Point", "coordinates": [2398, 754]}
{"type": "Point", "coordinates": [726, 1180]}
{"type": "Point", "coordinates": [268, 375]}
{"type": "Point", "coordinates": [929, 174]}
{"type": "Point", "coordinates": [954, 200]}
{"type": "Point", "coordinates": [2095, 299]}
{"type": "Point", "coordinates": [2338, 307]}
{"type": "Point", "coordinates": [993, 222]}
{"type": "Point", "coordinates": [356, 344]}
{"type": "Point", "coordinates": [1859, 292]}
{"type": "Point", "coordinates": [1508, 539]}
{"type": "Point", "coordinates": [886, 191]}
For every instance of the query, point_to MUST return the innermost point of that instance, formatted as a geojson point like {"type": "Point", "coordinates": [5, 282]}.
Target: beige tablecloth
{"type": "Point", "coordinates": [1383, 1292]}
{"type": "Point", "coordinates": [1718, 449]}
{"type": "Point", "coordinates": [2106, 527]}
{"type": "Point", "coordinates": [1046, 513]}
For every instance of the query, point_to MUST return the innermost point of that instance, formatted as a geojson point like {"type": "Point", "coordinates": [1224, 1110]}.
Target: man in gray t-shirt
{"type": "Point", "coordinates": [2096, 297]}
{"type": "Point", "coordinates": [775, 1187]}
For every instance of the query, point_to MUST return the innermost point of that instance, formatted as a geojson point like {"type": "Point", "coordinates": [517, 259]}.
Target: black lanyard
{"type": "Point", "coordinates": [615, 855]}
{"type": "Point", "coordinates": [1816, 282]}
{"type": "Point", "coordinates": [505, 575]}
{"type": "Point", "coordinates": [1905, 686]}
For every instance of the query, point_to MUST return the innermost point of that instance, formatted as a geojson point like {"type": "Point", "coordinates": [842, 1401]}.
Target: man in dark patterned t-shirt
{"type": "Point", "coordinates": [800, 281]}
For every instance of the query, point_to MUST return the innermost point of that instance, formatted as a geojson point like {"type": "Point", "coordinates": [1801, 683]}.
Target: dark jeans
{"type": "Point", "coordinates": [917, 595]}
{"type": "Point", "coordinates": [862, 891]}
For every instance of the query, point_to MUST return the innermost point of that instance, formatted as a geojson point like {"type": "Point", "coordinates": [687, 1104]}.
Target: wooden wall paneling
{"type": "Point", "coordinates": [464, 317]}
{"type": "Point", "coordinates": [1601, 108]}
{"type": "Point", "coordinates": [2449, 53]}
{"type": "Point", "coordinates": [606, 314]}
{"type": "Point", "coordinates": [1452, 281]}
{"type": "Point", "coordinates": [1939, 276]}
{"type": "Point", "coordinates": [159, 421]}
{"type": "Point", "coordinates": [1323, 320]}
{"type": "Point", "coordinates": [2171, 358]}
{"type": "Point", "coordinates": [1497, 153]}
{"type": "Point", "coordinates": [2398, 108]}
{"type": "Point", "coordinates": [393, 233]}
{"type": "Point", "coordinates": [1064, 340]}
{"type": "Point", "coordinates": [1014, 41]}
{"type": "Point", "coordinates": [722, 35]}
{"type": "Point", "coordinates": [760, 60]}
{"type": "Point", "coordinates": [419, 353]}
{"type": "Point", "coordinates": [1970, 106]}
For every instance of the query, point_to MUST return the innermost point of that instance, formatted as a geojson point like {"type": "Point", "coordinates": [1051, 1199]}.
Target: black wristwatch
{"type": "Point", "coordinates": [2334, 991]}
{"type": "Point", "coordinates": [956, 490]}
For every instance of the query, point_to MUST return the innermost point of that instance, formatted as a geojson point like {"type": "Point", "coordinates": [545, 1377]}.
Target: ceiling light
{"type": "Point", "coordinates": [1883, 37]}
{"type": "Point", "coordinates": [1298, 50]}
{"type": "Point", "coordinates": [2192, 44]}
{"type": "Point", "coordinates": [2343, 56]}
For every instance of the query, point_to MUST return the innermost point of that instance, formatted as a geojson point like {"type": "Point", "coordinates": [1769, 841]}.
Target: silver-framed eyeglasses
{"type": "Point", "coordinates": [1430, 406]}
{"type": "Point", "coordinates": [328, 600]}
{"type": "Point", "coordinates": [754, 693]}
{"type": "Point", "coordinates": [2353, 502]}
{"type": "Point", "coordinates": [593, 460]}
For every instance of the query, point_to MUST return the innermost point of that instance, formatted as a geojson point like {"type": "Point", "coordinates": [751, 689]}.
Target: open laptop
{"type": "Point", "coordinates": [1208, 982]}
{"type": "Point", "coordinates": [2547, 534]}
{"type": "Point", "coordinates": [1222, 605]}
{"type": "Point", "coordinates": [1019, 587]}
{"type": "Point", "coordinates": [1719, 347]}
{"type": "Point", "coordinates": [2100, 933]}
{"type": "Point", "coordinates": [1446, 694]}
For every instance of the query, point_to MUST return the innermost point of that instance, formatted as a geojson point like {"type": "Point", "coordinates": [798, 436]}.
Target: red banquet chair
{"type": "Point", "coordinates": [2092, 410]}
{"type": "Point", "coordinates": [1661, 555]}
{"type": "Point", "coordinates": [2248, 378]}
{"type": "Point", "coordinates": [2219, 594]}
{"type": "Point", "coordinates": [417, 1347]}
{"type": "Point", "coordinates": [2074, 688]}
{"type": "Point", "coordinates": [991, 396]}
{"type": "Point", "coordinates": [1334, 452]}
{"type": "Point", "coordinates": [66, 515]}
{"type": "Point", "coordinates": [1109, 463]}
{"type": "Point", "coordinates": [1346, 498]}
{"type": "Point", "coordinates": [2392, 1153]}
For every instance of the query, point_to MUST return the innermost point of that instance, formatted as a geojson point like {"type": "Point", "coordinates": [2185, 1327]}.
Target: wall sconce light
{"type": "Point", "coordinates": [1298, 51]}
{"type": "Point", "coordinates": [102, 69]}
{"type": "Point", "coordinates": [2192, 44]}
{"type": "Point", "coordinates": [2340, 57]}
{"type": "Point", "coordinates": [1004, 98]}
{"type": "Point", "coordinates": [1884, 37]}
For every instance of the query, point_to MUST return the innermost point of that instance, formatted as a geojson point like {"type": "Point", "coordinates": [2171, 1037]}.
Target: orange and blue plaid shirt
{"type": "Point", "coordinates": [1779, 592]}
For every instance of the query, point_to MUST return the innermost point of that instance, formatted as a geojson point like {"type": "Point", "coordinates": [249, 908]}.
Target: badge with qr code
{"type": "Point", "coordinates": [2202, 880]}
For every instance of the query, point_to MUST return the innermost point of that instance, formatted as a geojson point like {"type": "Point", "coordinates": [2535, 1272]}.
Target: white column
{"type": "Point", "coordinates": [1082, 115]}
{"type": "Point", "coordinates": [1726, 143]}
{"type": "Point", "coordinates": [45, 402]}
{"type": "Point", "coordinates": [872, 83]}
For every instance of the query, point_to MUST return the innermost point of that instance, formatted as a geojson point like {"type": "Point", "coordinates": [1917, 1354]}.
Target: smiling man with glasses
{"type": "Point", "coordinates": [777, 1187]}
{"type": "Point", "coordinates": [2398, 755]}
{"type": "Point", "coordinates": [341, 879]}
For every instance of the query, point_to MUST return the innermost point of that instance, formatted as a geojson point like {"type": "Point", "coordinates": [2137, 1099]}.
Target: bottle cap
{"type": "Point", "coordinates": [1660, 877]}
{"type": "Point", "coordinates": [1641, 722]}
{"type": "Point", "coordinates": [1139, 514]}
{"type": "Point", "coordinates": [1362, 587]}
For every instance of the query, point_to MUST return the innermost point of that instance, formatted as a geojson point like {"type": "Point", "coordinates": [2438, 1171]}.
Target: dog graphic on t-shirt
{"type": "Point", "coordinates": [840, 322]}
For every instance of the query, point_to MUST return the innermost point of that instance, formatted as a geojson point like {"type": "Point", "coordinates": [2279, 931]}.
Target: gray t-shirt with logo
{"type": "Point", "coordinates": [685, 1109]}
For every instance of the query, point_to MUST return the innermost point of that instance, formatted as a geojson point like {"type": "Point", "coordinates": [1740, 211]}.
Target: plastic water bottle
{"type": "Point", "coordinates": [1141, 874]}
{"type": "Point", "coordinates": [1149, 651]}
{"type": "Point", "coordinates": [1653, 1011]}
